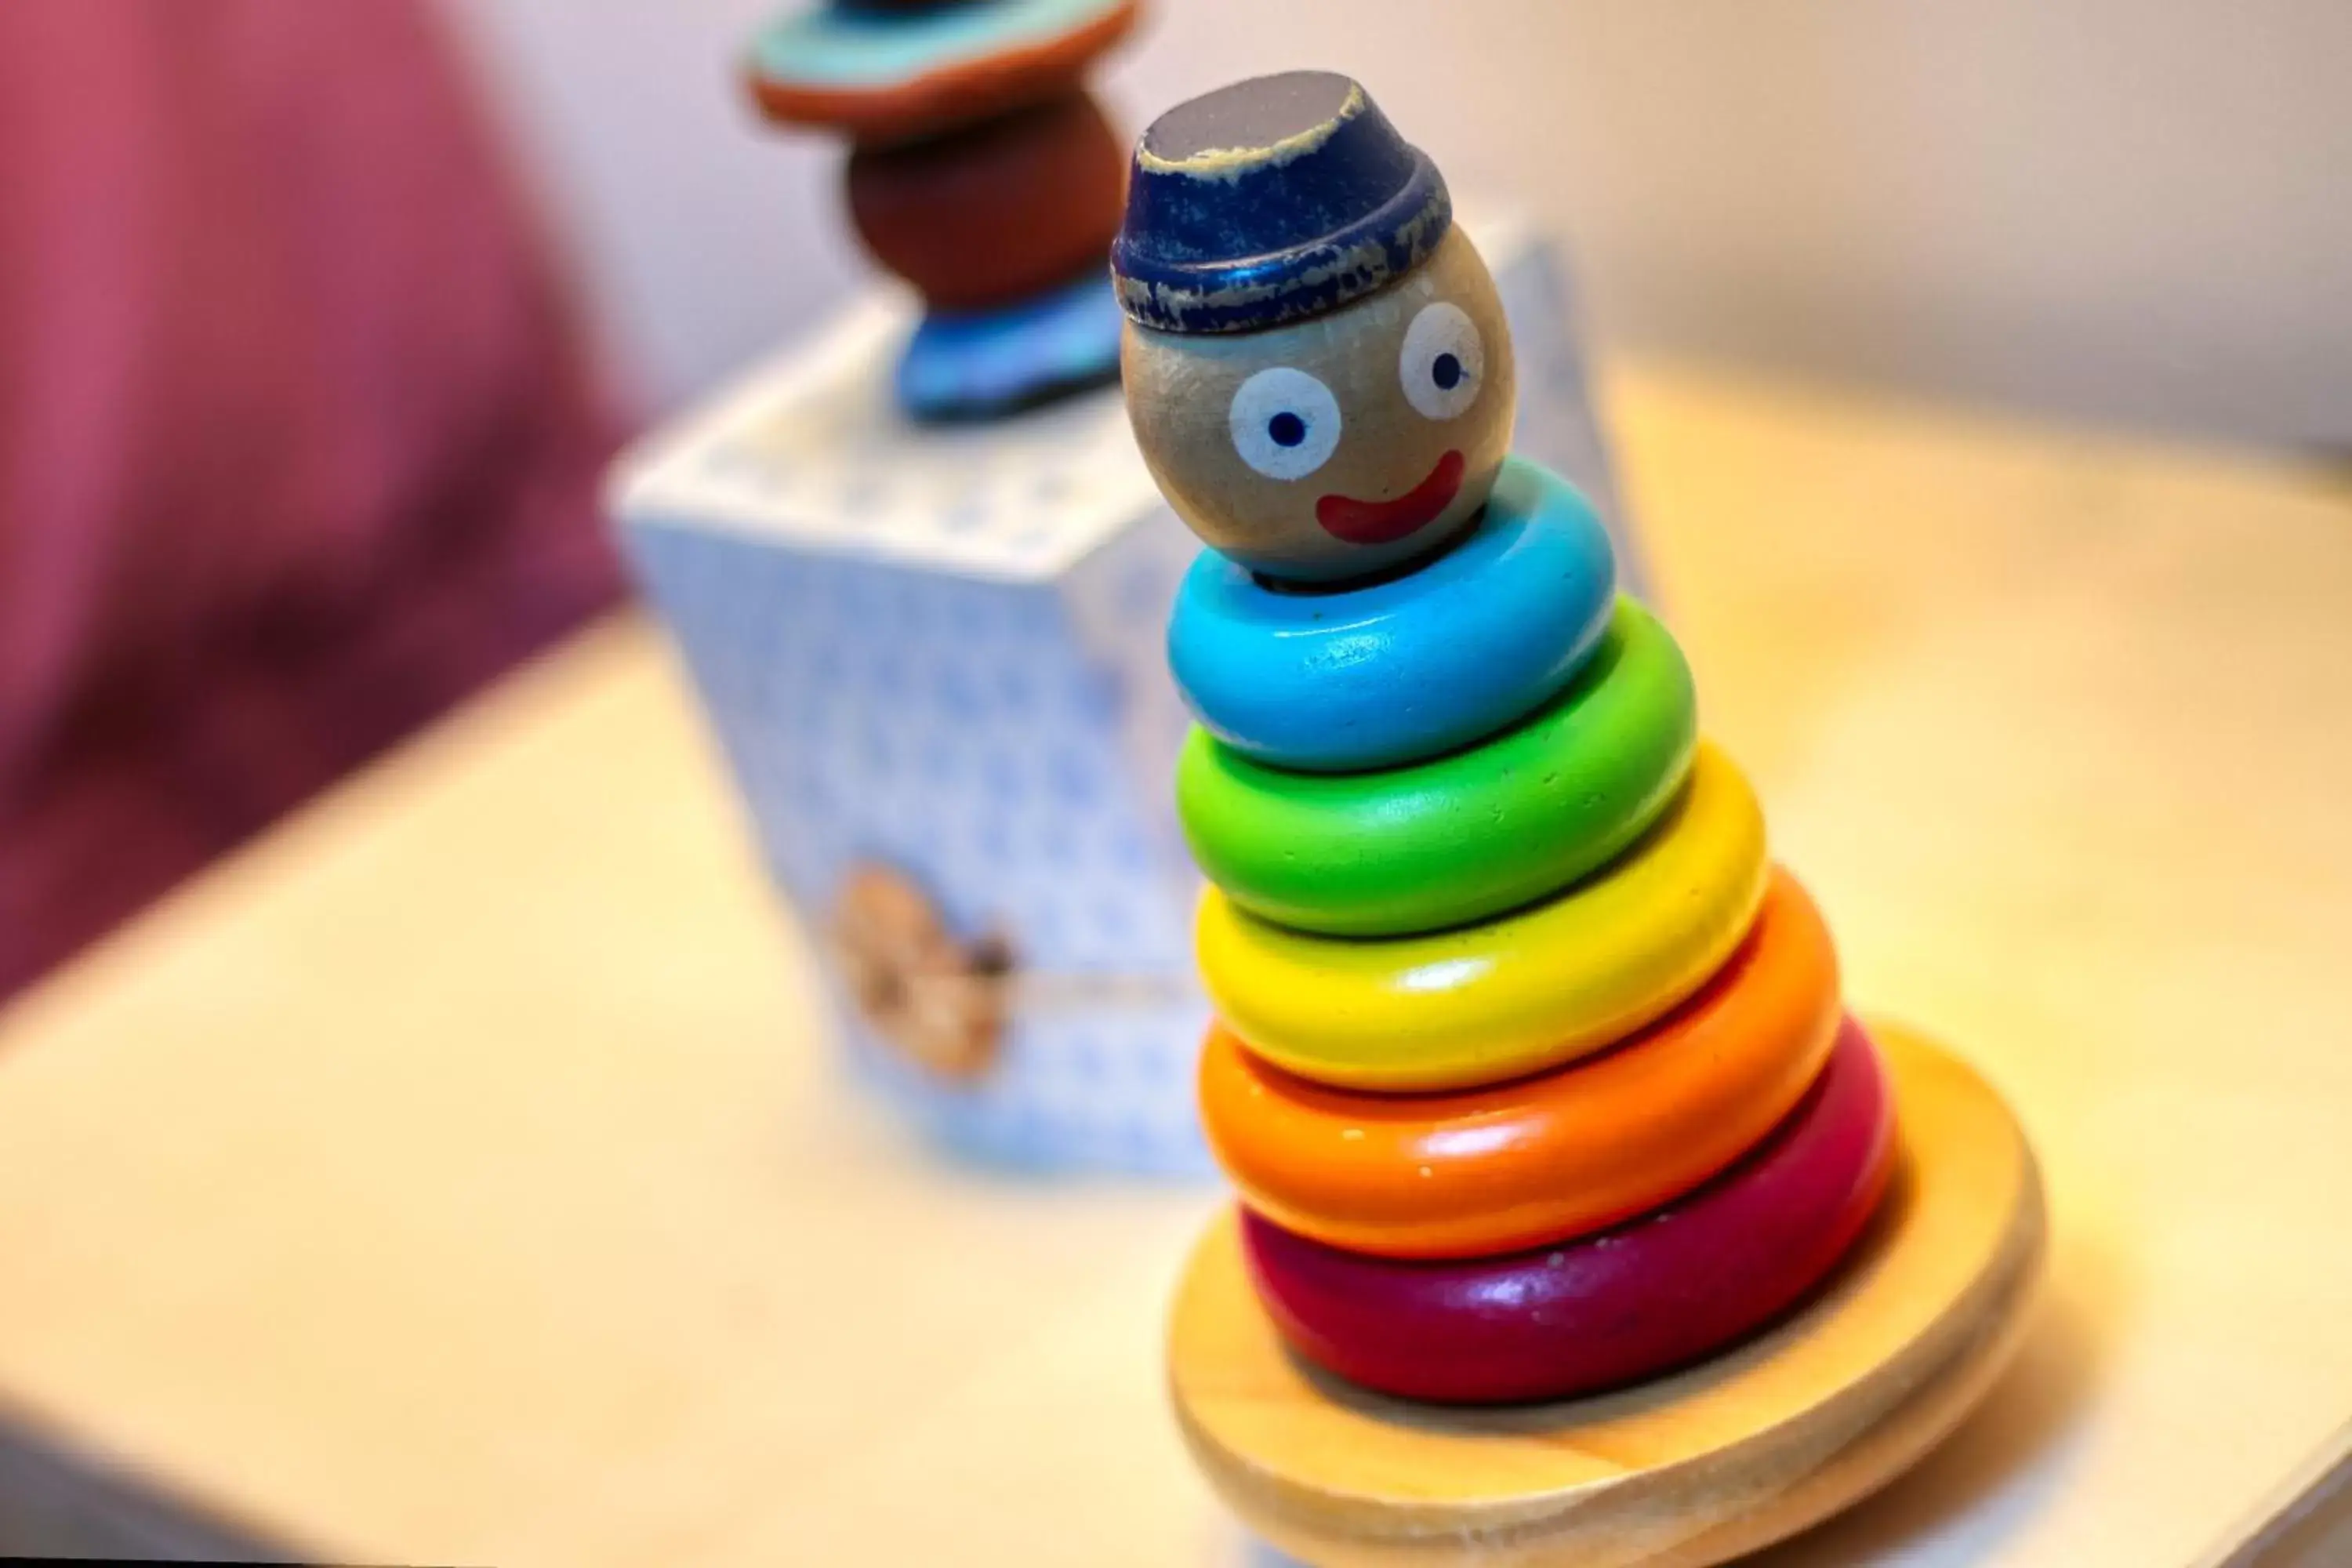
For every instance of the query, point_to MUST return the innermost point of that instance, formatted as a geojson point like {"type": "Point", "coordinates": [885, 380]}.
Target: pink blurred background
{"type": "Point", "coordinates": [300, 435]}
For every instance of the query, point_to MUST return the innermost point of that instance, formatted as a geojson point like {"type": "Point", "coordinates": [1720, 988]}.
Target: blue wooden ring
{"type": "Point", "coordinates": [1412, 667]}
{"type": "Point", "coordinates": [975, 364]}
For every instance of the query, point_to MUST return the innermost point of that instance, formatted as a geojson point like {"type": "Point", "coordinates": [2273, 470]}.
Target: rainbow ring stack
{"type": "Point", "coordinates": [1532, 1069]}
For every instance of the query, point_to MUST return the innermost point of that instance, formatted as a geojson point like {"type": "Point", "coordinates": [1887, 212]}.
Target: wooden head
{"type": "Point", "coordinates": [1317, 367]}
{"type": "Point", "coordinates": [1340, 445]}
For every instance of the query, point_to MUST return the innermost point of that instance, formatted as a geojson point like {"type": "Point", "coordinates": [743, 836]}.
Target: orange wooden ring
{"type": "Point", "coordinates": [1536, 1161]}
{"type": "Point", "coordinates": [940, 67]}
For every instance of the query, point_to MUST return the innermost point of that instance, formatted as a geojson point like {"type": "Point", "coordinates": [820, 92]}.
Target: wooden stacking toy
{"type": "Point", "coordinates": [983, 172]}
{"type": "Point", "coordinates": [1580, 1220]}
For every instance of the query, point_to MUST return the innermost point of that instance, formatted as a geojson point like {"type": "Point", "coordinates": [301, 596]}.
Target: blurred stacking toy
{"type": "Point", "coordinates": [983, 172]}
{"type": "Point", "coordinates": [1533, 1070]}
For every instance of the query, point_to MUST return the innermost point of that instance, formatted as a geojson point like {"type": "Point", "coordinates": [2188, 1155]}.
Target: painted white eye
{"type": "Point", "coordinates": [1286, 423]}
{"type": "Point", "coordinates": [1442, 363]}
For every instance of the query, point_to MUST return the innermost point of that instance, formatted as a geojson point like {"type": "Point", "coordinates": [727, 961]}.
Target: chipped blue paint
{"type": "Point", "coordinates": [1269, 201]}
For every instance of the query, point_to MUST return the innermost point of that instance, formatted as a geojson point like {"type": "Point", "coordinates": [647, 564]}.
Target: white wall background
{"type": "Point", "coordinates": [2130, 211]}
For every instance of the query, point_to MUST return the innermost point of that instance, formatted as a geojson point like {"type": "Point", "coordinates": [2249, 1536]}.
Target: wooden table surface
{"type": "Point", "coordinates": [459, 1176]}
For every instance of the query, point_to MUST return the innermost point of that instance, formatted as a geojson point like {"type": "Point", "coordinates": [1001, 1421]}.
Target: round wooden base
{"type": "Point", "coordinates": [1691, 1469]}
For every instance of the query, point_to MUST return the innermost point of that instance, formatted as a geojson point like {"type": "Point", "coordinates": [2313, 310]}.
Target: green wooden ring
{"type": "Point", "coordinates": [1463, 837]}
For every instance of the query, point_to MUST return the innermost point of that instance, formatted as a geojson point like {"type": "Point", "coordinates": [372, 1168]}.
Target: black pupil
{"type": "Point", "coordinates": [1446, 373]}
{"type": "Point", "coordinates": [1286, 428]}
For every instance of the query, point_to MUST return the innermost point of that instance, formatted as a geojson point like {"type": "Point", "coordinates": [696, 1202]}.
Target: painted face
{"type": "Point", "coordinates": [1336, 448]}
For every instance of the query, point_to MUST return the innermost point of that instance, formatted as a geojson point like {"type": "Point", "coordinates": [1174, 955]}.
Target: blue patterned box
{"type": "Point", "coordinates": [935, 660]}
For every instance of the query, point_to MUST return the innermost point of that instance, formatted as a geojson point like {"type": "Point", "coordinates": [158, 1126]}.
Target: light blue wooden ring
{"type": "Point", "coordinates": [1412, 667]}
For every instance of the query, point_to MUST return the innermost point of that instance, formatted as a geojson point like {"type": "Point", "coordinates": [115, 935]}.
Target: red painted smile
{"type": "Point", "coordinates": [1386, 521]}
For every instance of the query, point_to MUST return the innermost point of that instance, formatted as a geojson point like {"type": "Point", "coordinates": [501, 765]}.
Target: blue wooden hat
{"type": "Point", "coordinates": [1269, 201]}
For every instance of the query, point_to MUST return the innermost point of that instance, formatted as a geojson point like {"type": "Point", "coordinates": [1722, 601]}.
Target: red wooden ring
{"type": "Point", "coordinates": [1658, 1291]}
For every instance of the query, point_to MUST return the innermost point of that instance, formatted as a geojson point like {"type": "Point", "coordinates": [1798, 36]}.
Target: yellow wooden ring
{"type": "Point", "coordinates": [1489, 1002]}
